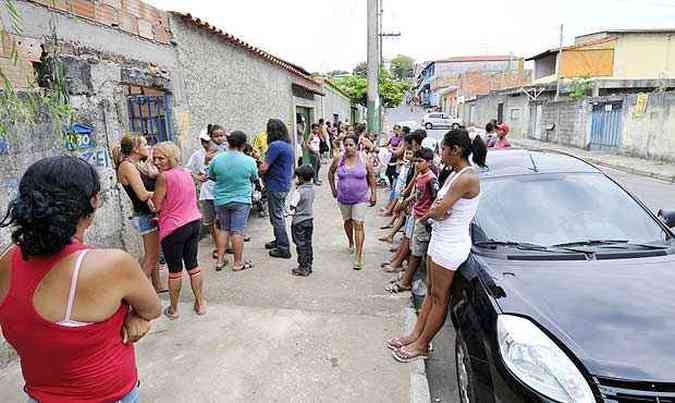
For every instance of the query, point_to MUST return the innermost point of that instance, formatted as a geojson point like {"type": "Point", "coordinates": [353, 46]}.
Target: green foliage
{"type": "Point", "coordinates": [361, 69]}
{"type": "Point", "coordinates": [581, 87]}
{"type": "Point", "coordinates": [402, 67]}
{"type": "Point", "coordinates": [392, 90]}
{"type": "Point", "coordinates": [34, 103]}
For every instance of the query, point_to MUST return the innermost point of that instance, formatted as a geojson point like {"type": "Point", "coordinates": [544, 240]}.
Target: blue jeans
{"type": "Point", "coordinates": [277, 207]}
{"type": "Point", "coordinates": [232, 217]}
{"type": "Point", "coordinates": [132, 397]}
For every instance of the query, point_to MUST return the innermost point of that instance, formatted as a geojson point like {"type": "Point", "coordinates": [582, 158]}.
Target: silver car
{"type": "Point", "coordinates": [436, 119]}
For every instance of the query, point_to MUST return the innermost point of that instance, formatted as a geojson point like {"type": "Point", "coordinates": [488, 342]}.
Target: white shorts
{"type": "Point", "coordinates": [448, 256]}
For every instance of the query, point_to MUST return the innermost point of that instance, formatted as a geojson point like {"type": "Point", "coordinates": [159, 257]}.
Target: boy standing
{"type": "Point", "coordinates": [302, 225]}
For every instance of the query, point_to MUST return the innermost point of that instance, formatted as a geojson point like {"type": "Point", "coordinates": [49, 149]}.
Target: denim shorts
{"type": "Point", "coordinates": [132, 397]}
{"type": "Point", "coordinates": [144, 223]}
{"type": "Point", "coordinates": [232, 217]}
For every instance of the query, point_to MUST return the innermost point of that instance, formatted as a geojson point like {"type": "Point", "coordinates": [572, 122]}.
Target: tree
{"type": "Point", "coordinates": [361, 69]}
{"type": "Point", "coordinates": [392, 91]}
{"type": "Point", "coordinates": [337, 73]}
{"type": "Point", "coordinates": [402, 67]}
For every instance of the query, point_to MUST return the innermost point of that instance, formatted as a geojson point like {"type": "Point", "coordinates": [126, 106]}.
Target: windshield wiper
{"type": "Point", "coordinates": [623, 243]}
{"type": "Point", "coordinates": [525, 246]}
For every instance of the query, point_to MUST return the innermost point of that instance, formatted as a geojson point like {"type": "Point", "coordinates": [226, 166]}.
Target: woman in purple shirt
{"type": "Point", "coordinates": [355, 176]}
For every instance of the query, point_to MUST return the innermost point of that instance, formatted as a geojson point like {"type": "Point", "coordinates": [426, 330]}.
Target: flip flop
{"type": "Point", "coordinates": [391, 269]}
{"type": "Point", "coordinates": [246, 266]}
{"type": "Point", "coordinates": [201, 312]}
{"type": "Point", "coordinates": [395, 343]}
{"type": "Point", "coordinates": [168, 314]}
{"type": "Point", "coordinates": [405, 356]}
{"type": "Point", "coordinates": [396, 288]}
{"type": "Point", "coordinates": [220, 267]}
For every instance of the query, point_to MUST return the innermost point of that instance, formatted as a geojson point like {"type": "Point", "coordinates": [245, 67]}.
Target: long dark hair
{"type": "Point", "coordinates": [476, 148]}
{"type": "Point", "coordinates": [54, 195]}
{"type": "Point", "coordinates": [277, 131]}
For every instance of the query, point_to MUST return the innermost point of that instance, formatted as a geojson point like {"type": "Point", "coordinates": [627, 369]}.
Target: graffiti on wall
{"type": "Point", "coordinates": [4, 146]}
{"type": "Point", "coordinates": [79, 137]}
{"type": "Point", "coordinates": [98, 157]}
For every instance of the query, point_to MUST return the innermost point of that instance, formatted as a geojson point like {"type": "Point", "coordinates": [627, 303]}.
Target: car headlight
{"type": "Point", "coordinates": [539, 363]}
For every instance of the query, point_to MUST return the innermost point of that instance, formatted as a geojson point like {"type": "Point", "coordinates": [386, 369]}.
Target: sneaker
{"type": "Point", "coordinates": [281, 253]}
{"type": "Point", "coordinates": [301, 272]}
{"type": "Point", "coordinates": [271, 245]}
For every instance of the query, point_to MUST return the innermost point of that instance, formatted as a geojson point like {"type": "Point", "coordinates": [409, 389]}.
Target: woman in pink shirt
{"type": "Point", "coordinates": [179, 221]}
{"type": "Point", "coordinates": [502, 130]}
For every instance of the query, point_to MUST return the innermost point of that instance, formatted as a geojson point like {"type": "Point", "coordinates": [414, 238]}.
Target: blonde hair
{"type": "Point", "coordinates": [170, 151]}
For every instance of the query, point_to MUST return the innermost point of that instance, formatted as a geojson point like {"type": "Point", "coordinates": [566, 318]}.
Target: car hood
{"type": "Point", "coordinates": [616, 316]}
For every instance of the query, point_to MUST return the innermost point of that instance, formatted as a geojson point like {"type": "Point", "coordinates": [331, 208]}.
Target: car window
{"type": "Point", "coordinates": [558, 208]}
{"type": "Point", "coordinates": [435, 116]}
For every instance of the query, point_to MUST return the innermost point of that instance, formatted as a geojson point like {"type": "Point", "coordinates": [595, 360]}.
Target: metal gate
{"type": "Point", "coordinates": [606, 125]}
{"type": "Point", "coordinates": [150, 115]}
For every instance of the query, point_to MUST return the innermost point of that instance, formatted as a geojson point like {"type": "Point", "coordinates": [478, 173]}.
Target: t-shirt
{"type": "Point", "coordinates": [260, 143]}
{"type": "Point", "coordinates": [402, 177]}
{"type": "Point", "coordinates": [234, 173]}
{"type": "Point", "coordinates": [426, 189]}
{"type": "Point", "coordinates": [315, 143]}
{"type": "Point", "coordinates": [280, 160]}
{"type": "Point", "coordinates": [197, 164]}
{"type": "Point", "coordinates": [303, 204]}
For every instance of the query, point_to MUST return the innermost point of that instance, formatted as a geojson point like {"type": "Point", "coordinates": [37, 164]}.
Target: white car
{"type": "Point", "coordinates": [436, 119]}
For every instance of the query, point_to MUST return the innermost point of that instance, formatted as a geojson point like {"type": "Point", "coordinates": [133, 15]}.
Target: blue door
{"type": "Point", "coordinates": [606, 125]}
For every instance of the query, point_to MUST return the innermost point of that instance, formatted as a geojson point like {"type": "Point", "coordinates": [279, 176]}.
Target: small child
{"type": "Point", "coordinates": [302, 224]}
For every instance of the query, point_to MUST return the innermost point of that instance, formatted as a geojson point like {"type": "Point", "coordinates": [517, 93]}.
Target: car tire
{"type": "Point", "coordinates": [429, 126]}
{"type": "Point", "coordinates": [465, 381]}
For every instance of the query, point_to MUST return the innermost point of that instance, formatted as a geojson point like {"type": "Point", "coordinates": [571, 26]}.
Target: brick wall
{"type": "Point", "coordinates": [132, 16]}
{"type": "Point", "coordinates": [475, 83]}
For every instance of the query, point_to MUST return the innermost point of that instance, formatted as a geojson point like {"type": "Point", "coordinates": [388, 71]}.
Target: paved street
{"type": "Point", "coordinates": [271, 337]}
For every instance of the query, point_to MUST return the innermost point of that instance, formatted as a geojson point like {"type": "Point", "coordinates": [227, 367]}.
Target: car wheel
{"type": "Point", "coordinates": [465, 380]}
{"type": "Point", "coordinates": [429, 126]}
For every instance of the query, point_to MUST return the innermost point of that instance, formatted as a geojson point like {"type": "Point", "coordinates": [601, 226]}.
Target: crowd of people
{"type": "Point", "coordinates": [85, 307]}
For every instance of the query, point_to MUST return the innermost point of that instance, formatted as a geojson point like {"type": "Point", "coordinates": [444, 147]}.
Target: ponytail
{"type": "Point", "coordinates": [478, 151]}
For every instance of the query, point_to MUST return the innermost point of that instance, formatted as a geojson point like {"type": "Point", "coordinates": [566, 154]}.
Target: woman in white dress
{"type": "Point", "coordinates": [450, 245]}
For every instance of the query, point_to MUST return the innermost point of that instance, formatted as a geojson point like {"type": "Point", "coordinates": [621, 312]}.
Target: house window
{"type": "Point", "coordinates": [150, 114]}
{"type": "Point", "coordinates": [515, 114]}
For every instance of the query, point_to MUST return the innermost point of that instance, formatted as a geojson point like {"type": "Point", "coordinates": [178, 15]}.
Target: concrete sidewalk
{"type": "Point", "coordinates": [272, 337]}
{"type": "Point", "coordinates": [655, 169]}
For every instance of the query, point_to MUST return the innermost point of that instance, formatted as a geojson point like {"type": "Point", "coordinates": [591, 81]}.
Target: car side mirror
{"type": "Point", "coordinates": [668, 217]}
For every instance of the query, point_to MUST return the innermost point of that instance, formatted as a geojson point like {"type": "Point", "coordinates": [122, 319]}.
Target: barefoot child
{"type": "Point", "coordinates": [302, 224]}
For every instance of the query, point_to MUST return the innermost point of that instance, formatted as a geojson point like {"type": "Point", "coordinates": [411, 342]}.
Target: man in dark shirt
{"type": "Point", "coordinates": [278, 172]}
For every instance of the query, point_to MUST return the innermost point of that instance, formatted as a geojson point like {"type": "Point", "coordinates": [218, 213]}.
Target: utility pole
{"type": "Point", "coordinates": [373, 68]}
{"type": "Point", "coordinates": [557, 65]}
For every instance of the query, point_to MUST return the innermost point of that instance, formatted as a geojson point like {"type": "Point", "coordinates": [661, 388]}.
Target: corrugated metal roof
{"type": "Point", "coordinates": [293, 68]}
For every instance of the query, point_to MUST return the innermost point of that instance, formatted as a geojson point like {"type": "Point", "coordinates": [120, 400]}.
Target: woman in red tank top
{"type": "Point", "coordinates": [83, 308]}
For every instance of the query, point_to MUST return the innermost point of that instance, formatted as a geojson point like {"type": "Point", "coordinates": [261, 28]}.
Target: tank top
{"type": "Point", "coordinates": [139, 206]}
{"type": "Point", "coordinates": [454, 230]}
{"type": "Point", "coordinates": [352, 182]}
{"type": "Point", "coordinates": [179, 206]}
{"type": "Point", "coordinates": [87, 363]}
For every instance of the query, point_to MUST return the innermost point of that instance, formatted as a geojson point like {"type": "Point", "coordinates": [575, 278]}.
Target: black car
{"type": "Point", "coordinates": [569, 292]}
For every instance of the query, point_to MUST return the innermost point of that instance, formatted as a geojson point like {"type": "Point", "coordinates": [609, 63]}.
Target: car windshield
{"type": "Point", "coordinates": [552, 209]}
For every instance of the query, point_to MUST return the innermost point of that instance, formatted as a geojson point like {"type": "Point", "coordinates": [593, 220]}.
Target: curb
{"type": "Point", "coordinates": [419, 385]}
{"type": "Point", "coordinates": [599, 162]}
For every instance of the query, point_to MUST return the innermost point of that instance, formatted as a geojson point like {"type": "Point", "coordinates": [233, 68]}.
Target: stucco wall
{"type": "Point", "coordinates": [334, 103]}
{"type": "Point", "coordinates": [644, 56]}
{"type": "Point", "coordinates": [226, 85]}
{"type": "Point", "coordinates": [516, 112]}
{"type": "Point", "coordinates": [99, 63]}
{"type": "Point", "coordinates": [650, 134]}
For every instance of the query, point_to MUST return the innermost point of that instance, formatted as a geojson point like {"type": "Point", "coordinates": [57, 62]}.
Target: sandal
{"type": "Point", "coordinates": [396, 288]}
{"type": "Point", "coordinates": [202, 311]}
{"type": "Point", "coordinates": [220, 267]}
{"type": "Point", "coordinates": [246, 266]}
{"type": "Point", "coordinates": [171, 315]}
{"type": "Point", "coordinates": [396, 343]}
{"type": "Point", "coordinates": [405, 356]}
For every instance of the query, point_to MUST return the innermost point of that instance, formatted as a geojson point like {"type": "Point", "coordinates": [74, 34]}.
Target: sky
{"type": "Point", "coordinates": [326, 35]}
